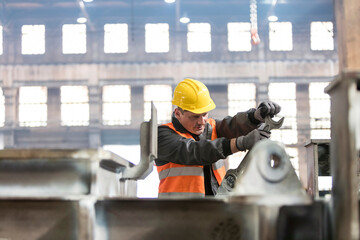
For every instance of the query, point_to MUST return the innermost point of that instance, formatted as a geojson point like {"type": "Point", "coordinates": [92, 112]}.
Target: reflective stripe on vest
{"type": "Point", "coordinates": [181, 180]}
{"type": "Point", "coordinates": [187, 180]}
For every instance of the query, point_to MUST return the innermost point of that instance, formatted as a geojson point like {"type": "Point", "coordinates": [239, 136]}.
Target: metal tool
{"type": "Point", "coordinates": [271, 124]}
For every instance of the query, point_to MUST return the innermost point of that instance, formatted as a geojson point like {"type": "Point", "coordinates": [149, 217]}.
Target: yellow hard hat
{"type": "Point", "coordinates": [193, 96]}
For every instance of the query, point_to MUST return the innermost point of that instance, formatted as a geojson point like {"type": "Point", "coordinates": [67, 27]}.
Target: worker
{"type": "Point", "coordinates": [192, 148]}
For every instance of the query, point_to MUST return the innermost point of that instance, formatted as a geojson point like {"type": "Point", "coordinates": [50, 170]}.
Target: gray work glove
{"type": "Point", "coordinates": [266, 108]}
{"type": "Point", "coordinates": [244, 143]}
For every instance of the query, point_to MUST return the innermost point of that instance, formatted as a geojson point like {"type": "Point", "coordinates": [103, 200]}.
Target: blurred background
{"type": "Point", "coordinates": [82, 74]}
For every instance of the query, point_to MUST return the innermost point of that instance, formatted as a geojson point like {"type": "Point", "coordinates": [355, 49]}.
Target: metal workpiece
{"type": "Point", "coordinates": [344, 91]}
{"type": "Point", "coordinates": [59, 173]}
{"type": "Point", "coordinates": [266, 181]}
{"type": "Point", "coordinates": [265, 174]}
{"type": "Point", "coordinates": [56, 219]}
{"type": "Point", "coordinates": [175, 219]}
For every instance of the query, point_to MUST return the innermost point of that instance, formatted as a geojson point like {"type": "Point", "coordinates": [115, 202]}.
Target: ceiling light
{"type": "Point", "coordinates": [87, 1]}
{"type": "Point", "coordinates": [169, 1]}
{"type": "Point", "coordinates": [81, 20]}
{"type": "Point", "coordinates": [272, 18]}
{"type": "Point", "coordinates": [184, 20]}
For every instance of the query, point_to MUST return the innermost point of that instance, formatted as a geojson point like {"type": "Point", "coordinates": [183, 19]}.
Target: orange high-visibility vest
{"type": "Point", "coordinates": [187, 180]}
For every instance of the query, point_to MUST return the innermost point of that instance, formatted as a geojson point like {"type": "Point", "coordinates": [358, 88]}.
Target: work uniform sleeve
{"type": "Point", "coordinates": [238, 125]}
{"type": "Point", "coordinates": [177, 149]}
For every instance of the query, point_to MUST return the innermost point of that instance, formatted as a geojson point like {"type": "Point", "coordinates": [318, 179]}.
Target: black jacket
{"type": "Point", "coordinates": [203, 151]}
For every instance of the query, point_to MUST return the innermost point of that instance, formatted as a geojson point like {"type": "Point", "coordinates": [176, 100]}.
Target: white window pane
{"type": "Point", "coordinates": [33, 39]}
{"type": "Point", "coordinates": [2, 108]}
{"type": "Point", "coordinates": [280, 36]}
{"type": "Point", "coordinates": [74, 114]}
{"type": "Point", "coordinates": [74, 94]}
{"type": "Point", "coordinates": [157, 38]}
{"type": "Point", "coordinates": [29, 119]}
{"type": "Point", "coordinates": [116, 113]}
{"type": "Point", "coordinates": [199, 37]}
{"type": "Point", "coordinates": [161, 95]}
{"type": "Point", "coordinates": [282, 91]}
{"type": "Point", "coordinates": [239, 37]}
{"type": "Point", "coordinates": [285, 95]}
{"type": "Point", "coordinates": [74, 106]}
{"type": "Point", "coordinates": [32, 106]}
{"type": "Point", "coordinates": [322, 36]}
{"type": "Point", "coordinates": [241, 97]}
{"type": "Point", "coordinates": [116, 93]}
{"type": "Point", "coordinates": [116, 38]}
{"type": "Point", "coordinates": [116, 105]}
{"type": "Point", "coordinates": [319, 111]}
{"type": "Point", "coordinates": [32, 95]}
{"type": "Point", "coordinates": [1, 40]}
{"type": "Point", "coordinates": [74, 38]}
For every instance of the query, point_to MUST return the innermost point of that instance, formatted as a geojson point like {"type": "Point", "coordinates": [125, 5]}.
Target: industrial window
{"type": "Point", "coordinates": [74, 106]}
{"type": "Point", "coordinates": [161, 96]}
{"type": "Point", "coordinates": [322, 36]}
{"type": "Point", "coordinates": [1, 40]}
{"type": "Point", "coordinates": [116, 38]}
{"type": "Point", "coordinates": [239, 37]}
{"type": "Point", "coordinates": [319, 111]}
{"type": "Point", "coordinates": [241, 97]}
{"type": "Point", "coordinates": [199, 37]}
{"type": "Point", "coordinates": [74, 38]}
{"type": "Point", "coordinates": [157, 38]}
{"type": "Point", "coordinates": [32, 106]}
{"type": "Point", "coordinates": [280, 36]}
{"type": "Point", "coordinates": [33, 39]}
{"type": "Point", "coordinates": [2, 108]}
{"type": "Point", "coordinates": [285, 95]}
{"type": "Point", "coordinates": [116, 105]}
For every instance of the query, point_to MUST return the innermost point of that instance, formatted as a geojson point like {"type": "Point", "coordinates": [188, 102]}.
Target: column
{"type": "Point", "coordinates": [303, 126]}
{"type": "Point", "coordinates": [95, 105]}
{"type": "Point", "coordinates": [10, 95]}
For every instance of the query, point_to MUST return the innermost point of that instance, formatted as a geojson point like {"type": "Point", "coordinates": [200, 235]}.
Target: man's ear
{"type": "Point", "coordinates": [177, 113]}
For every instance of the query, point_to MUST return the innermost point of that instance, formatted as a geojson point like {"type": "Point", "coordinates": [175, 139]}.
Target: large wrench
{"type": "Point", "coordinates": [271, 124]}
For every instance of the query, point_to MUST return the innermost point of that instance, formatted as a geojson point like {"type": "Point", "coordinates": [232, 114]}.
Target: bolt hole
{"type": "Point", "coordinates": [275, 161]}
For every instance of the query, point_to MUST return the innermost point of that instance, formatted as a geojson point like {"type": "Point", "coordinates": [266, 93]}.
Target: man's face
{"type": "Point", "coordinates": [194, 123]}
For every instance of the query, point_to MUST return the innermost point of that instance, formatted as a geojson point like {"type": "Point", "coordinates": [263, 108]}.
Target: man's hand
{"type": "Point", "coordinates": [244, 143]}
{"type": "Point", "coordinates": [266, 108]}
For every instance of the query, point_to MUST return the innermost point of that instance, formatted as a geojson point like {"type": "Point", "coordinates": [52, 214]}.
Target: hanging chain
{"type": "Point", "coordinates": [255, 39]}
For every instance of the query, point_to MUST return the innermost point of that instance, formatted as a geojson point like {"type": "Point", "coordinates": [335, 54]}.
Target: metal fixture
{"type": "Point", "coordinates": [344, 153]}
